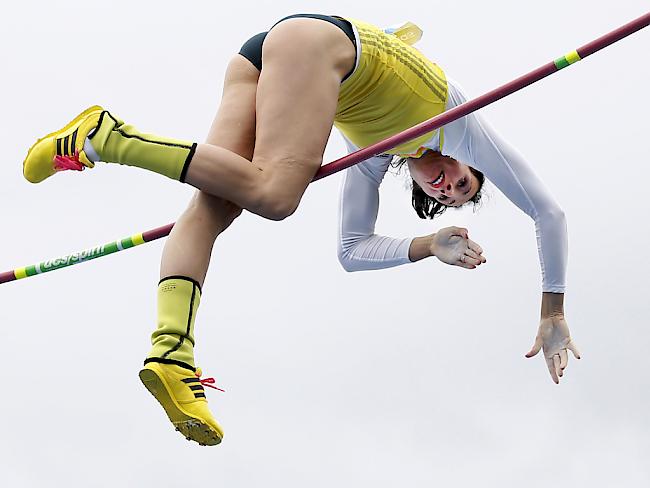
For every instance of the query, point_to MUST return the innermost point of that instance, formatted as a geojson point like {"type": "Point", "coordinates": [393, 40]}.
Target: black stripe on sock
{"type": "Point", "coordinates": [143, 139]}
{"type": "Point", "coordinates": [188, 160]}
{"type": "Point", "coordinates": [179, 277]}
{"type": "Point", "coordinates": [160, 143]}
{"type": "Point", "coordinates": [58, 147]}
{"type": "Point", "coordinates": [93, 132]}
{"type": "Point", "coordinates": [176, 347]}
{"type": "Point", "coordinates": [187, 330]}
{"type": "Point", "coordinates": [170, 361]}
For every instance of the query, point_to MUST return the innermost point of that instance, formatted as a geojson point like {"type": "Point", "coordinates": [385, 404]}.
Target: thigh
{"type": "Point", "coordinates": [233, 127]}
{"type": "Point", "coordinates": [304, 61]}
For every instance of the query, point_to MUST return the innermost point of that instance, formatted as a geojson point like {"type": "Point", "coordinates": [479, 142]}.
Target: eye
{"type": "Point", "coordinates": [462, 183]}
{"type": "Point", "coordinates": [442, 198]}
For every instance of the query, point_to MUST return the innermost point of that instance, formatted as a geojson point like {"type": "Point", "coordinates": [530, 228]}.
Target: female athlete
{"type": "Point", "coordinates": [282, 94]}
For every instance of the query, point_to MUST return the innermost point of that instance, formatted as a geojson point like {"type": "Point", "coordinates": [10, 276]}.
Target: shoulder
{"type": "Point", "coordinates": [378, 165]}
{"type": "Point", "coordinates": [370, 171]}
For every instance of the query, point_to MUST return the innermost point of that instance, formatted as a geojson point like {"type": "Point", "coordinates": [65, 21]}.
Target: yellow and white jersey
{"type": "Point", "coordinates": [470, 140]}
{"type": "Point", "coordinates": [393, 87]}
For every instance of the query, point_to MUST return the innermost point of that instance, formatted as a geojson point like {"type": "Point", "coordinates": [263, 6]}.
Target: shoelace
{"type": "Point", "coordinates": [64, 163]}
{"type": "Point", "coordinates": [209, 382]}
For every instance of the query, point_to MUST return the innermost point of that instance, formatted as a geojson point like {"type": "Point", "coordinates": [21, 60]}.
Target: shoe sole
{"type": "Point", "coordinates": [193, 428]}
{"type": "Point", "coordinates": [68, 126]}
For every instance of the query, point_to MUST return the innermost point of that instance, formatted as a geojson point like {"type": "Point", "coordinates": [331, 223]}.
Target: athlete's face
{"type": "Point", "coordinates": [443, 178]}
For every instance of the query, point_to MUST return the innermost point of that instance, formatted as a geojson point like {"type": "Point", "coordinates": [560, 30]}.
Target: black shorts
{"type": "Point", "coordinates": [252, 49]}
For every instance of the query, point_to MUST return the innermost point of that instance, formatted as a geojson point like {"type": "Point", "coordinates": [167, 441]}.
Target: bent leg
{"type": "Point", "coordinates": [188, 249]}
{"type": "Point", "coordinates": [189, 246]}
{"type": "Point", "coordinates": [186, 255]}
{"type": "Point", "coordinates": [304, 61]}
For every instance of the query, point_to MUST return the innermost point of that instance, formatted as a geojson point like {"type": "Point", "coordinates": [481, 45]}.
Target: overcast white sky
{"type": "Point", "coordinates": [413, 376]}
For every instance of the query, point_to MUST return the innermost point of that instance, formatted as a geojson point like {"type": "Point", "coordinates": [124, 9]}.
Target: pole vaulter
{"type": "Point", "coordinates": [362, 154]}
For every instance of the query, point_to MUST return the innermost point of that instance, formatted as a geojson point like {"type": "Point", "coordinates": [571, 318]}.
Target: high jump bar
{"type": "Point", "coordinates": [362, 154]}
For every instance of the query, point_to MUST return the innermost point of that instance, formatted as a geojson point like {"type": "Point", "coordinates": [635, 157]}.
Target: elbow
{"type": "Point", "coordinates": [546, 209]}
{"type": "Point", "coordinates": [345, 250]}
{"type": "Point", "coordinates": [346, 261]}
{"type": "Point", "coordinates": [555, 214]}
{"type": "Point", "coordinates": [552, 217]}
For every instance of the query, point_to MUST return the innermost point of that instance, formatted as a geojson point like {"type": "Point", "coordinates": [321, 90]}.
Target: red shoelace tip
{"type": "Point", "coordinates": [64, 163]}
{"type": "Point", "coordinates": [209, 382]}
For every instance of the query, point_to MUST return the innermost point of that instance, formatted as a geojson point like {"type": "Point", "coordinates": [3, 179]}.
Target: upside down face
{"type": "Point", "coordinates": [443, 178]}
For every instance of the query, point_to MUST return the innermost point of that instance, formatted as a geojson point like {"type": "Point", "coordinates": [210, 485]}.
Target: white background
{"type": "Point", "coordinates": [413, 376]}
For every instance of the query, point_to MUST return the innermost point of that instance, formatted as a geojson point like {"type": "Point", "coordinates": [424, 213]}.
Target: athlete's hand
{"type": "Point", "coordinates": [554, 339]}
{"type": "Point", "coordinates": [452, 245]}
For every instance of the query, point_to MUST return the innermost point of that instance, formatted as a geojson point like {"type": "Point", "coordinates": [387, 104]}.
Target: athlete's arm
{"type": "Point", "coordinates": [359, 248]}
{"type": "Point", "coordinates": [471, 140]}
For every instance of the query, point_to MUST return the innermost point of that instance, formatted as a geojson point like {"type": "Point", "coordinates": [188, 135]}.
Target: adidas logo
{"type": "Point", "coordinates": [195, 385]}
{"type": "Point", "coordinates": [65, 146]}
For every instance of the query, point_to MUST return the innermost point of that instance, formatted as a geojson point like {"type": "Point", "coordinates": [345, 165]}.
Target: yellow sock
{"type": "Point", "coordinates": [117, 142]}
{"type": "Point", "coordinates": [173, 340]}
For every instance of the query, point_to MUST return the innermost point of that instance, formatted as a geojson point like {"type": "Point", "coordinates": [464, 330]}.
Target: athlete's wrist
{"type": "Point", "coordinates": [421, 247]}
{"type": "Point", "coordinates": [552, 305]}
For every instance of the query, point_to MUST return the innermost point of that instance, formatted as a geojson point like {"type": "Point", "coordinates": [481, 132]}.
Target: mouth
{"type": "Point", "coordinates": [439, 181]}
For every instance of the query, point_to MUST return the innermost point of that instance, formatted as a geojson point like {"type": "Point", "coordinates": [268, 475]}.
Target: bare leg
{"type": "Point", "coordinates": [295, 100]}
{"type": "Point", "coordinates": [189, 246]}
{"type": "Point", "coordinates": [294, 105]}
{"type": "Point", "coordinates": [304, 62]}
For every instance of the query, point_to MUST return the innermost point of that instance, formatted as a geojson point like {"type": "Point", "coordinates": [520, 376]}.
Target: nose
{"type": "Point", "coordinates": [450, 190]}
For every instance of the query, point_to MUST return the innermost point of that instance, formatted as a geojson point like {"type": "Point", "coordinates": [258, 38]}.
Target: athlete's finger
{"type": "Point", "coordinates": [464, 258]}
{"type": "Point", "coordinates": [556, 365]}
{"type": "Point", "coordinates": [572, 347]}
{"type": "Point", "coordinates": [474, 246]}
{"type": "Point", "coordinates": [551, 369]}
{"type": "Point", "coordinates": [466, 264]}
{"type": "Point", "coordinates": [536, 347]}
{"type": "Point", "coordinates": [460, 231]}
{"type": "Point", "coordinates": [479, 259]}
{"type": "Point", "coordinates": [564, 359]}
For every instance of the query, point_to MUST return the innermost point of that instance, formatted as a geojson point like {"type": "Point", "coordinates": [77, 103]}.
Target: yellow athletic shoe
{"type": "Point", "coordinates": [180, 392]}
{"type": "Point", "coordinates": [63, 149]}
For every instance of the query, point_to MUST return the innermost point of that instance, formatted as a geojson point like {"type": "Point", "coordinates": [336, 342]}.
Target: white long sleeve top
{"type": "Point", "coordinates": [472, 141]}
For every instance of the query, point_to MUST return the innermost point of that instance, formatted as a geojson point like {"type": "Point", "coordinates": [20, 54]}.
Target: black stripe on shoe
{"type": "Point", "coordinates": [73, 141]}
{"type": "Point", "coordinates": [58, 148]}
{"type": "Point", "coordinates": [196, 387]}
{"type": "Point", "coordinates": [65, 145]}
{"type": "Point", "coordinates": [190, 380]}
{"type": "Point", "coordinates": [199, 395]}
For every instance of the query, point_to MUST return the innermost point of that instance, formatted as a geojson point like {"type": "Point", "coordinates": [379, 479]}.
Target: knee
{"type": "Point", "coordinates": [213, 212]}
{"type": "Point", "coordinates": [273, 205]}
{"type": "Point", "coordinates": [277, 208]}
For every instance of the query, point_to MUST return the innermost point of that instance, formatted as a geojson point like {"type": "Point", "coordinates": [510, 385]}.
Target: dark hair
{"type": "Point", "coordinates": [428, 207]}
